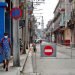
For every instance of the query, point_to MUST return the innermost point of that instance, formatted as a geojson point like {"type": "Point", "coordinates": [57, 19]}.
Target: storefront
{"type": "Point", "coordinates": [67, 37]}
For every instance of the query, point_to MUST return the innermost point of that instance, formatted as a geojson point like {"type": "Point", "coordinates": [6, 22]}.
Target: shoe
{"type": "Point", "coordinates": [4, 66]}
{"type": "Point", "coordinates": [6, 69]}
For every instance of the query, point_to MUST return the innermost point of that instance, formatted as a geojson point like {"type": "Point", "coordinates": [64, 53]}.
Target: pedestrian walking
{"type": "Point", "coordinates": [5, 43]}
{"type": "Point", "coordinates": [34, 46]}
{"type": "Point", "coordinates": [21, 46]}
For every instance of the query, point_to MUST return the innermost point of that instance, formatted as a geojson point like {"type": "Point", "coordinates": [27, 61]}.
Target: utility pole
{"type": "Point", "coordinates": [16, 49]}
{"type": "Point", "coordinates": [42, 27]}
{"type": "Point", "coordinates": [24, 29]}
{"type": "Point", "coordinates": [26, 23]}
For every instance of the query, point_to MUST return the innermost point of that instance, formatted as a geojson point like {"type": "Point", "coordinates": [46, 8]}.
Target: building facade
{"type": "Point", "coordinates": [71, 22]}
{"type": "Point", "coordinates": [62, 27]}
{"type": "Point", "coordinates": [59, 22]}
{"type": "Point", "coordinates": [63, 14]}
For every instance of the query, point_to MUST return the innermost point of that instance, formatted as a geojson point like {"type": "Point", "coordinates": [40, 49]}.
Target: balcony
{"type": "Point", "coordinates": [56, 16]}
{"type": "Point", "coordinates": [59, 24]}
{"type": "Point", "coordinates": [56, 25]}
{"type": "Point", "coordinates": [73, 14]}
{"type": "Point", "coordinates": [70, 1]}
{"type": "Point", "coordinates": [71, 22]}
{"type": "Point", "coordinates": [62, 23]}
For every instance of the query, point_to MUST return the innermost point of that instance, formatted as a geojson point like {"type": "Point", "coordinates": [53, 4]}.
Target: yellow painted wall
{"type": "Point", "coordinates": [67, 34]}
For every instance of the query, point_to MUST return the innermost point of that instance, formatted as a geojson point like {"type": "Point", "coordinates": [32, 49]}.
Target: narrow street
{"type": "Point", "coordinates": [60, 65]}
{"type": "Point", "coordinates": [37, 37]}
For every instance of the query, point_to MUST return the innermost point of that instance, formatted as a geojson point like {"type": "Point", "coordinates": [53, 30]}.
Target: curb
{"type": "Point", "coordinates": [22, 68]}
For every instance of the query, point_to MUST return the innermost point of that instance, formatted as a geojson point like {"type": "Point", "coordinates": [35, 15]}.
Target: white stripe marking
{"type": "Point", "coordinates": [48, 50]}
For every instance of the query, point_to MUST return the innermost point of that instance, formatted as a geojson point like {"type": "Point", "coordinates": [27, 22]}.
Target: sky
{"type": "Point", "coordinates": [47, 11]}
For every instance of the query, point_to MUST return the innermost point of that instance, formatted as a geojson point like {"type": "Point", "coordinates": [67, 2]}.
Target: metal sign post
{"type": "Point", "coordinates": [16, 47]}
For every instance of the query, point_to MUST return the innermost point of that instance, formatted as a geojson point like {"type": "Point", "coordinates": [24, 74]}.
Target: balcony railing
{"type": "Point", "coordinates": [56, 16]}
{"type": "Point", "coordinates": [62, 23]}
{"type": "Point", "coordinates": [59, 24]}
{"type": "Point", "coordinates": [56, 26]}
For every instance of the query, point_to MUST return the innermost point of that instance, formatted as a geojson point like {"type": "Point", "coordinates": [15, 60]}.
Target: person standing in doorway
{"type": "Point", "coordinates": [6, 50]}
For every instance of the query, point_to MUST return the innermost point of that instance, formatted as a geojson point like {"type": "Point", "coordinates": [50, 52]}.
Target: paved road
{"type": "Point", "coordinates": [60, 65]}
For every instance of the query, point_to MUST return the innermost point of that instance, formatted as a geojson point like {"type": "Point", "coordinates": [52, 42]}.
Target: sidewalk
{"type": "Point", "coordinates": [28, 68]}
{"type": "Point", "coordinates": [13, 70]}
{"type": "Point", "coordinates": [68, 47]}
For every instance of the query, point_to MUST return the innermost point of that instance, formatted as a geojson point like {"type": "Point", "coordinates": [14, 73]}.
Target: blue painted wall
{"type": "Point", "coordinates": [2, 18]}
{"type": "Point", "coordinates": [7, 23]}
{"type": "Point", "coordinates": [2, 22]}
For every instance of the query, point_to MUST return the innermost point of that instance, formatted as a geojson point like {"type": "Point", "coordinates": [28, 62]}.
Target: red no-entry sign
{"type": "Point", "coordinates": [48, 50]}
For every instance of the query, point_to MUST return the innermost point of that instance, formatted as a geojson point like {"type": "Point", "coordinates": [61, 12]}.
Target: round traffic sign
{"type": "Point", "coordinates": [16, 13]}
{"type": "Point", "coordinates": [48, 50]}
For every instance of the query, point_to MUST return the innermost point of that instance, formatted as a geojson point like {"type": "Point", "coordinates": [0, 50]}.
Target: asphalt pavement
{"type": "Point", "coordinates": [62, 64]}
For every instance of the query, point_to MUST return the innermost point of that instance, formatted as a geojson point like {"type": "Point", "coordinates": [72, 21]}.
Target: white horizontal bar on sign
{"type": "Point", "coordinates": [48, 50]}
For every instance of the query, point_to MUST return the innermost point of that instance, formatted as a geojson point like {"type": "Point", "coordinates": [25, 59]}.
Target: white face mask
{"type": "Point", "coordinates": [5, 36]}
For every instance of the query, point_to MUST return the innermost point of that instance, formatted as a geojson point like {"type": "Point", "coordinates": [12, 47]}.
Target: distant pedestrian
{"type": "Point", "coordinates": [34, 46]}
{"type": "Point", "coordinates": [5, 42]}
{"type": "Point", "coordinates": [21, 46]}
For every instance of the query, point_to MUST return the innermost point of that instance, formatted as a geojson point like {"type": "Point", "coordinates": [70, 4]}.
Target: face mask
{"type": "Point", "coordinates": [5, 36]}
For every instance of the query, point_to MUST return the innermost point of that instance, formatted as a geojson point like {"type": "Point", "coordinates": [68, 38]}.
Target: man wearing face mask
{"type": "Point", "coordinates": [6, 50]}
